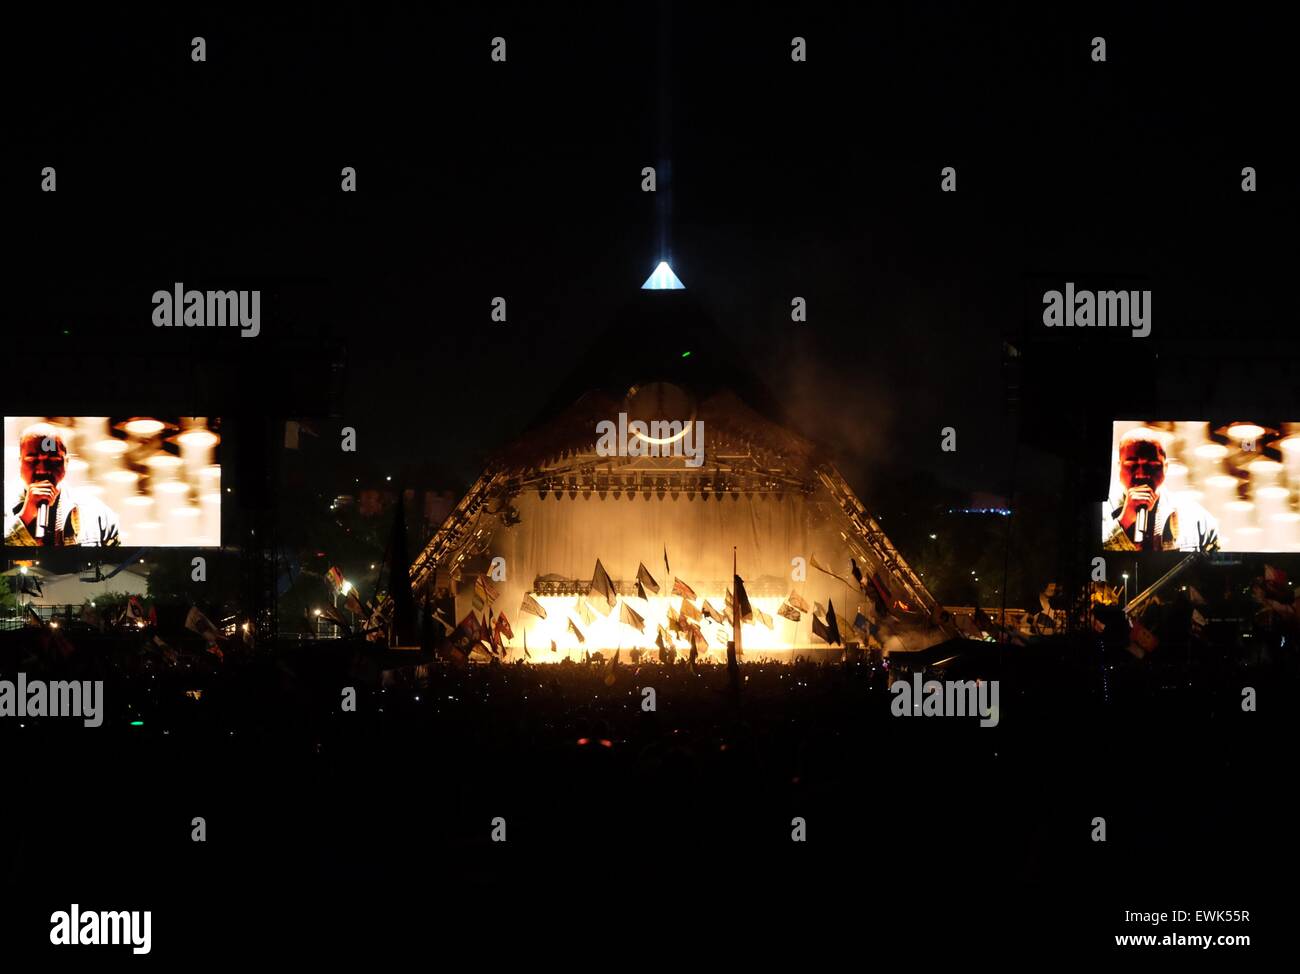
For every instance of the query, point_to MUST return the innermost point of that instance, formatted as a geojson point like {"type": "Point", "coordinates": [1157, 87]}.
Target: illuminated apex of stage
{"type": "Point", "coordinates": [663, 279]}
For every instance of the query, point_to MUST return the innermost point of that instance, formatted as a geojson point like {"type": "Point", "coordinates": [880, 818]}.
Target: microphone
{"type": "Point", "coordinates": [42, 515]}
{"type": "Point", "coordinates": [1140, 527]}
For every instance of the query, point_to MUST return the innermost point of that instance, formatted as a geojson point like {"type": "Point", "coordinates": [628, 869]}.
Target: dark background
{"type": "Point", "coordinates": [776, 179]}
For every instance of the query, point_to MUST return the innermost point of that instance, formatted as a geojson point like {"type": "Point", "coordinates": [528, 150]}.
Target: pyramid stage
{"type": "Point", "coordinates": [665, 518]}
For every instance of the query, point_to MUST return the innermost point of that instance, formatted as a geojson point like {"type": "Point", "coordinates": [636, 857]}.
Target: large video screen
{"type": "Point", "coordinates": [1199, 486]}
{"type": "Point", "coordinates": [105, 480]}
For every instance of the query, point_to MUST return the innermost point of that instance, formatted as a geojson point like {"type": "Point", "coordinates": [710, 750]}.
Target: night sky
{"type": "Point", "coordinates": [776, 179]}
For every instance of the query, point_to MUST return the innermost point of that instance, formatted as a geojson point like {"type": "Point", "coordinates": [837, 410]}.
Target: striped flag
{"type": "Point", "coordinates": [530, 604]}
{"type": "Point", "coordinates": [682, 589]}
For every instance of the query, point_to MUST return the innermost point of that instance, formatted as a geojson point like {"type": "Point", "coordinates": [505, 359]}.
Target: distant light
{"type": "Point", "coordinates": [198, 438]}
{"type": "Point", "coordinates": [663, 279]}
{"type": "Point", "coordinates": [111, 446]}
{"type": "Point", "coordinates": [934, 537]}
{"type": "Point", "coordinates": [686, 354]}
{"type": "Point", "coordinates": [137, 723]}
{"type": "Point", "coordinates": [317, 612]}
{"type": "Point", "coordinates": [1245, 431]}
{"type": "Point", "coordinates": [388, 478]}
{"type": "Point", "coordinates": [144, 427]}
{"type": "Point", "coordinates": [23, 569]}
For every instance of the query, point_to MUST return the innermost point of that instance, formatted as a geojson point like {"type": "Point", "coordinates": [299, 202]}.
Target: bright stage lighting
{"type": "Point", "coordinates": [663, 279]}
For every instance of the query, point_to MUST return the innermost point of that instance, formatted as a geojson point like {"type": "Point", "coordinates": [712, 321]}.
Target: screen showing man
{"type": "Point", "coordinates": [97, 481]}
{"type": "Point", "coordinates": [47, 513]}
{"type": "Point", "coordinates": [1147, 518]}
{"type": "Point", "coordinates": [1192, 485]}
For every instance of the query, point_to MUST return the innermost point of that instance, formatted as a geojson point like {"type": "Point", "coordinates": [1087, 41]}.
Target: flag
{"type": "Point", "coordinates": [812, 560]}
{"type": "Point", "coordinates": [1143, 637]}
{"type": "Point", "coordinates": [698, 642]}
{"type": "Point", "coordinates": [788, 611]}
{"type": "Point", "coordinates": [502, 628]}
{"type": "Point", "coordinates": [832, 625]}
{"type": "Point", "coordinates": [820, 631]}
{"type": "Point", "coordinates": [763, 617]}
{"type": "Point", "coordinates": [335, 577]}
{"type": "Point", "coordinates": [602, 586]}
{"type": "Point", "coordinates": [629, 616]}
{"type": "Point", "coordinates": [819, 610]}
{"type": "Point", "coordinates": [640, 591]}
{"type": "Point", "coordinates": [711, 613]}
{"type": "Point", "coordinates": [674, 620]}
{"type": "Point", "coordinates": [168, 653]}
{"type": "Point", "coordinates": [573, 628]}
{"type": "Point", "coordinates": [467, 635]}
{"type": "Point", "coordinates": [682, 589]}
{"type": "Point", "coordinates": [530, 604]}
{"type": "Point", "coordinates": [196, 621]}
{"type": "Point", "coordinates": [584, 611]}
{"type": "Point", "coordinates": [30, 585]}
{"type": "Point", "coordinates": [742, 599]}
{"type": "Point", "coordinates": [796, 601]}
{"type": "Point", "coordinates": [646, 579]}
{"type": "Point", "coordinates": [860, 623]}
{"type": "Point", "coordinates": [353, 603]}
{"type": "Point", "coordinates": [555, 648]}
{"type": "Point", "coordinates": [691, 611]}
{"type": "Point", "coordinates": [1196, 597]}
{"type": "Point", "coordinates": [882, 590]}
{"type": "Point", "coordinates": [667, 570]}
{"type": "Point", "coordinates": [663, 640]}
{"type": "Point", "coordinates": [857, 572]}
{"type": "Point", "coordinates": [485, 593]}
{"type": "Point", "coordinates": [32, 618]}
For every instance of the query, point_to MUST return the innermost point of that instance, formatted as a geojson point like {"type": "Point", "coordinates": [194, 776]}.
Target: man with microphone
{"type": "Point", "coordinates": [46, 514]}
{"type": "Point", "coordinates": [1145, 519]}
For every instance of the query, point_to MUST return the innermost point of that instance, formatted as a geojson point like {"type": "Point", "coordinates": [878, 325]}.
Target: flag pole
{"type": "Point", "coordinates": [735, 604]}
